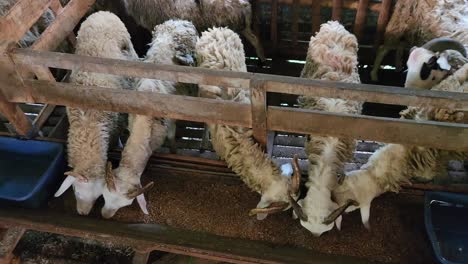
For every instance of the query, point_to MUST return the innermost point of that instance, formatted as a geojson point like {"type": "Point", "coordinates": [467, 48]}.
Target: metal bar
{"type": "Point", "coordinates": [274, 24]}
{"type": "Point", "coordinates": [295, 22]}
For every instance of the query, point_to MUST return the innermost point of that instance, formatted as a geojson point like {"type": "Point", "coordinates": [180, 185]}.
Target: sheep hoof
{"type": "Point", "coordinates": [375, 75]}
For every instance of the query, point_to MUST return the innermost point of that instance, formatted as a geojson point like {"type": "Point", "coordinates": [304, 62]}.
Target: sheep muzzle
{"type": "Point", "coordinates": [134, 193]}
{"type": "Point", "coordinates": [78, 176]}
{"type": "Point", "coordinates": [339, 211]}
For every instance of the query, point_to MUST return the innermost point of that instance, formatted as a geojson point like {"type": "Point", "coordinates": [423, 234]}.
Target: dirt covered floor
{"type": "Point", "coordinates": [397, 232]}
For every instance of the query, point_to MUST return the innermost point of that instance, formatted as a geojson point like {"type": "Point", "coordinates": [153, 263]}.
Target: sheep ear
{"type": "Point", "coordinates": [365, 214]}
{"type": "Point", "coordinates": [443, 63]}
{"type": "Point", "coordinates": [69, 180]}
{"type": "Point", "coordinates": [338, 222]}
{"type": "Point", "coordinates": [142, 203]}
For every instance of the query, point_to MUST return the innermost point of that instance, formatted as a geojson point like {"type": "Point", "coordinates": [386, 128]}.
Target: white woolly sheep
{"type": "Point", "coordinates": [418, 21]}
{"type": "Point", "coordinates": [332, 56]}
{"type": "Point", "coordinates": [394, 164]}
{"type": "Point", "coordinates": [235, 14]}
{"type": "Point", "coordinates": [222, 49]}
{"type": "Point", "coordinates": [101, 35]}
{"type": "Point", "coordinates": [173, 43]}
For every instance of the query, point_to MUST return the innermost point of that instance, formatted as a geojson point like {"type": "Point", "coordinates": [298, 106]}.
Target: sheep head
{"type": "Point", "coordinates": [120, 193]}
{"type": "Point", "coordinates": [270, 202]}
{"type": "Point", "coordinates": [86, 190]}
{"type": "Point", "coordinates": [431, 63]}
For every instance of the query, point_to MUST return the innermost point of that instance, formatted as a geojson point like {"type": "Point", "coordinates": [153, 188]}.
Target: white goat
{"type": "Point", "coordinates": [394, 164]}
{"type": "Point", "coordinates": [101, 35]}
{"type": "Point", "coordinates": [332, 56]}
{"type": "Point", "coordinates": [235, 14]}
{"type": "Point", "coordinates": [418, 21]}
{"type": "Point", "coordinates": [222, 49]}
{"type": "Point", "coordinates": [173, 43]}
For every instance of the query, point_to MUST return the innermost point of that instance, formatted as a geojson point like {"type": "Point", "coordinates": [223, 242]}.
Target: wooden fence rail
{"type": "Point", "coordinates": [258, 115]}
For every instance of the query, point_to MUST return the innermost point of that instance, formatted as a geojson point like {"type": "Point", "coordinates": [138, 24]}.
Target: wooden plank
{"type": "Point", "coordinates": [453, 188]}
{"type": "Point", "coordinates": [275, 83]}
{"type": "Point", "coordinates": [382, 21]}
{"type": "Point", "coordinates": [337, 10]}
{"type": "Point", "coordinates": [15, 116]}
{"type": "Point", "coordinates": [348, 4]}
{"type": "Point", "coordinates": [63, 25]}
{"type": "Point", "coordinates": [366, 92]}
{"type": "Point", "coordinates": [133, 68]}
{"type": "Point", "coordinates": [360, 20]}
{"type": "Point", "coordinates": [442, 135]}
{"type": "Point", "coordinates": [20, 18]}
{"type": "Point", "coordinates": [148, 237]}
{"type": "Point", "coordinates": [259, 107]}
{"type": "Point", "coordinates": [274, 24]}
{"type": "Point", "coordinates": [295, 22]}
{"type": "Point", "coordinates": [117, 100]}
{"type": "Point", "coordinates": [9, 238]}
{"type": "Point", "coordinates": [42, 117]}
{"type": "Point", "coordinates": [57, 8]}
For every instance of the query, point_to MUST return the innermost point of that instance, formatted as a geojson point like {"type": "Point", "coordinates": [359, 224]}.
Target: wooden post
{"type": "Point", "coordinates": [384, 16]}
{"type": "Point", "coordinates": [274, 24]}
{"type": "Point", "coordinates": [360, 20]}
{"type": "Point", "coordinates": [20, 18]}
{"type": "Point", "coordinates": [337, 10]}
{"type": "Point", "coordinates": [8, 242]}
{"type": "Point", "coordinates": [258, 99]}
{"type": "Point", "coordinates": [15, 116]}
{"type": "Point", "coordinates": [316, 15]}
{"type": "Point", "coordinates": [295, 22]}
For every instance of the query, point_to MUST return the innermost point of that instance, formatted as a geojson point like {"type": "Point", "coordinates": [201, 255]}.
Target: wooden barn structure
{"type": "Point", "coordinates": [32, 104]}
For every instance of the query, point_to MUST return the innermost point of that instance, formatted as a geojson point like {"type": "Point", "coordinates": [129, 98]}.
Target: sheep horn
{"type": "Point", "coordinates": [443, 43]}
{"type": "Point", "coordinates": [339, 211]}
{"type": "Point", "coordinates": [80, 177]}
{"type": "Point", "coordinates": [110, 181]}
{"type": "Point", "coordinates": [136, 192]}
{"type": "Point", "coordinates": [297, 209]}
{"type": "Point", "coordinates": [271, 209]}
{"type": "Point", "coordinates": [296, 178]}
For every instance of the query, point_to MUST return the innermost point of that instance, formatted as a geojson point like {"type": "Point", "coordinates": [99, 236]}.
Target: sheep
{"type": "Point", "coordinates": [101, 35]}
{"type": "Point", "coordinates": [222, 49]}
{"type": "Point", "coordinates": [418, 21]}
{"type": "Point", "coordinates": [173, 43]}
{"type": "Point", "coordinates": [395, 164]}
{"type": "Point", "coordinates": [432, 62]}
{"type": "Point", "coordinates": [235, 14]}
{"type": "Point", "coordinates": [332, 55]}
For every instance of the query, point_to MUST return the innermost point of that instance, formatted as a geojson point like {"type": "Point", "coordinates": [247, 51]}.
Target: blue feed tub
{"type": "Point", "coordinates": [446, 218]}
{"type": "Point", "coordinates": [30, 171]}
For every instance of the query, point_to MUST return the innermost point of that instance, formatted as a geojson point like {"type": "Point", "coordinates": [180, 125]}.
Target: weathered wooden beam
{"type": "Point", "coordinates": [366, 92]}
{"type": "Point", "coordinates": [63, 25]}
{"type": "Point", "coordinates": [348, 4]}
{"type": "Point", "coordinates": [453, 188]}
{"type": "Point", "coordinates": [57, 8]}
{"type": "Point", "coordinates": [133, 68]}
{"type": "Point", "coordinates": [258, 98]}
{"type": "Point", "coordinates": [275, 83]}
{"type": "Point", "coordinates": [148, 237]}
{"type": "Point", "coordinates": [9, 238]}
{"type": "Point", "coordinates": [382, 21]}
{"type": "Point", "coordinates": [360, 20]}
{"type": "Point", "coordinates": [337, 9]}
{"type": "Point", "coordinates": [15, 116]}
{"type": "Point", "coordinates": [20, 18]}
{"type": "Point", "coordinates": [143, 103]}
{"type": "Point", "coordinates": [429, 134]}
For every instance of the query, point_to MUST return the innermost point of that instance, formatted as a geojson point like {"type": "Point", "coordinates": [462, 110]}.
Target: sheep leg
{"type": "Point", "coordinates": [250, 36]}
{"type": "Point", "coordinates": [383, 50]}
{"type": "Point", "coordinates": [399, 57]}
{"type": "Point", "coordinates": [365, 214]}
{"type": "Point", "coordinates": [205, 139]}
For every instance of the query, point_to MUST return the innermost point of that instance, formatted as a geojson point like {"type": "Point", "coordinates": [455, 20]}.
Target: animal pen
{"type": "Point", "coordinates": [32, 106]}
